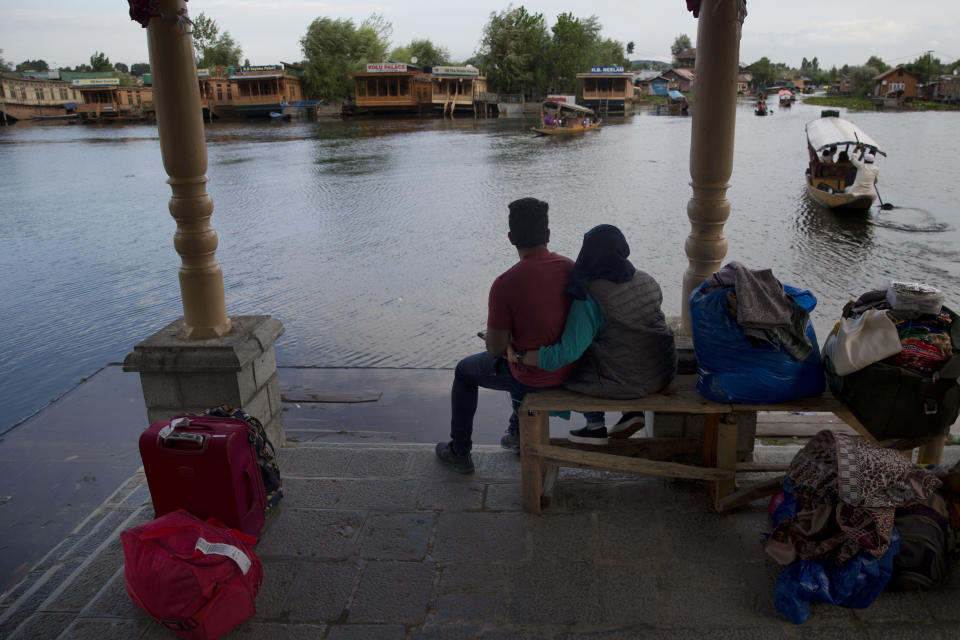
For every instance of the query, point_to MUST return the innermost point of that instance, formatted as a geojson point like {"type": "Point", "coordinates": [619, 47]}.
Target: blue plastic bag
{"type": "Point", "coordinates": [733, 369]}
{"type": "Point", "coordinates": [855, 585]}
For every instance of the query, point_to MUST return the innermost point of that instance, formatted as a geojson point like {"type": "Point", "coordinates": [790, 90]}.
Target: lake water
{"type": "Point", "coordinates": [375, 241]}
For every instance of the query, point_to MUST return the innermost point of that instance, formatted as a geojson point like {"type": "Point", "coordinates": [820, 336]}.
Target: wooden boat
{"type": "Point", "coordinates": [786, 97]}
{"type": "Point", "coordinates": [564, 118]}
{"type": "Point", "coordinates": [828, 181]}
{"type": "Point", "coordinates": [761, 108]}
{"type": "Point", "coordinates": [278, 116]}
{"type": "Point", "coordinates": [677, 104]}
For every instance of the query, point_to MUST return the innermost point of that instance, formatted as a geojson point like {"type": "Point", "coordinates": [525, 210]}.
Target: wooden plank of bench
{"type": "Point", "coordinates": [605, 462]}
{"type": "Point", "coordinates": [680, 396]}
{"type": "Point", "coordinates": [650, 448]}
{"type": "Point", "coordinates": [749, 494]}
{"type": "Point", "coordinates": [534, 431]}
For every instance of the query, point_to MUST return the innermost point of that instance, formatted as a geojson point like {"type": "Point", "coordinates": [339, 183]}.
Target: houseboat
{"type": "Point", "coordinates": [391, 87]}
{"type": "Point", "coordinates": [44, 96]}
{"type": "Point", "coordinates": [830, 177]}
{"type": "Point", "coordinates": [607, 89]}
{"type": "Point", "coordinates": [461, 89]}
{"type": "Point", "coordinates": [260, 90]}
{"type": "Point", "coordinates": [677, 104]}
{"type": "Point", "coordinates": [561, 118]}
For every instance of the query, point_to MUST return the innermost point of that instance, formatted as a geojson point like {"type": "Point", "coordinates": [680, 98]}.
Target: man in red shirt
{"type": "Point", "coordinates": [527, 308]}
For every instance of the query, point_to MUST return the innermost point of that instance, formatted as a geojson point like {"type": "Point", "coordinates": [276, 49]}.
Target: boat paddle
{"type": "Point", "coordinates": [886, 206]}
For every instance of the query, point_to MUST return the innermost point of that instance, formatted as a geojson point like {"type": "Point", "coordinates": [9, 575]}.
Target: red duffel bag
{"type": "Point", "coordinates": [197, 578]}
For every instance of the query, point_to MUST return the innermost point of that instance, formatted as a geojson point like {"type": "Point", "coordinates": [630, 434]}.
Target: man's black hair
{"type": "Point", "coordinates": [528, 222]}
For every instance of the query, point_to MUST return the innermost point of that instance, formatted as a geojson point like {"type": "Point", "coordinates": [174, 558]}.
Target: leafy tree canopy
{"type": "Point", "coordinates": [680, 43]}
{"type": "Point", "coordinates": [630, 48]}
{"type": "Point", "coordinates": [877, 64]}
{"type": "Point", "coordinates": [139, 68]}
{"type": "Point", "coordinates": [426, 53]}
{"type": "Point", "coordinates": [33, 65]}
{"type": "Point", "coordinates": [514, 51]}
{"type": "Point", "coordinates": [334, 48]}
{"type": "Point", "coordinates": [122, 68]}
{"type": "Point", "coordinates": [212, 48]}
{"type": "Point", "coordinates": [4, 65]}
{"type": "Point", "coordinates": [100, 62]}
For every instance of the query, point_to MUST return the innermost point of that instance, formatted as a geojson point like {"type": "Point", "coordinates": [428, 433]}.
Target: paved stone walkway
{"type": "Point", "coordinates": [381, 542]}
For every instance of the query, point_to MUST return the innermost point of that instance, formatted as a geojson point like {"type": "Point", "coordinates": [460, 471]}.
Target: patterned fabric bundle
{"type": "Point", "coordinates": [846, 491]}
{"type": "Point", "coordinates": [926, 344]}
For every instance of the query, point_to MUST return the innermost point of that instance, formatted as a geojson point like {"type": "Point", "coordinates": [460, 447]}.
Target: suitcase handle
{"type": "Point", "coordinates": [191, 438]}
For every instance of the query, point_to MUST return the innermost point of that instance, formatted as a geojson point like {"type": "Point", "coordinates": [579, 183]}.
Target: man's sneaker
{"type": "Point", "coordinates": [587, 435]}
{"type": "Point", "coordinates": [623, 427]}
{"type": "Point", "coordinates": [511, 441]}
{"type": "Point", "coordinates": [461, 463]}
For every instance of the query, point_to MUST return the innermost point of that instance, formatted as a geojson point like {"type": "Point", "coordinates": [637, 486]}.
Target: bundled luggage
{"type": "Point", "coordinates": [199, 579]}
{"type": "Point", "coordinates": [909, 393]}
{"type": "Point", "coordinates": [206, 465]}
{"type": "Point", "coordinates": [753, 338]}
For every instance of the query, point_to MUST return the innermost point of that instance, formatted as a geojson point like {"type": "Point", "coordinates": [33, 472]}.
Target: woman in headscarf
{"type": "Point", "coordinates": [615, 328]}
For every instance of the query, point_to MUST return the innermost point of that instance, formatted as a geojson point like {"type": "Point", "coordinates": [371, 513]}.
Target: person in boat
{"type": "Point", "coordinates": [616, 333]}
{"type": "Point", "coordinates": [527, 307]}
{"type": "Point", "coordinates": [867, 172]}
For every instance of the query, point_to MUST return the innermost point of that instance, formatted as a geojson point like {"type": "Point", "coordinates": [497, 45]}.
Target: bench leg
{"type": "Point", "coordinates": [534, 428]}
{"type": "Point", "coordinates": [931, 452]}
{"type": "Point", "coordinates": [720, 451]}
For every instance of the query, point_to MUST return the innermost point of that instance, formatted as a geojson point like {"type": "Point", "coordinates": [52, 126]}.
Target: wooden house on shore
{"type": "Point", "coordinates": [461, 89]}
{"type": "Point", "coordinates": [895, 83]}
{"type": "Point", "coordinates": [607, 89]}
{"type": "Point", "coordinates": [391, 87]}
{"type": "Point", "coordinates": [37, 96]}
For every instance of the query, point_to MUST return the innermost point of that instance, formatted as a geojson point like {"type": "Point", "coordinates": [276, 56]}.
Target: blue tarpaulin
{"type": "Point", "coordinates": [676, 95]}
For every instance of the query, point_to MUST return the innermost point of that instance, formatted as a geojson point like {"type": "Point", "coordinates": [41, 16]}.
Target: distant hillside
{"type": "Point", "coordinates": [649, 64]}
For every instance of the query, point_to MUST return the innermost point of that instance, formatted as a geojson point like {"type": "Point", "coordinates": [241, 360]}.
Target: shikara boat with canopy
{"type": "Point", "coordinates": [831, 142]}
{"type": "Point", "coordinates": [564, 118]}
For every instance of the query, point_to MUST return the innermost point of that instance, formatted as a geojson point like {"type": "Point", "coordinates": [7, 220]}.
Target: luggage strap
{"type": "Point", "coordinates": [226, 550]}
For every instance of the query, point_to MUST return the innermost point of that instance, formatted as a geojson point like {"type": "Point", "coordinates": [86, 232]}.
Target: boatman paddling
{"type": "Point", "coordinates": [867, 171]}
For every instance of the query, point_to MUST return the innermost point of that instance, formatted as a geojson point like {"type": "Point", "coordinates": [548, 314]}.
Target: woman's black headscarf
{"type": "Point", "coordinates": [603, 256]}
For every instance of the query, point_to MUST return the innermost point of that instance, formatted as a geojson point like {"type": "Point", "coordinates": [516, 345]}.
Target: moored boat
{"type": "Point", "coordinates": [565, 118]}
{"type": "Point", "coordinates": [832, 180]}
{"type": "Point", "coordinates": [677, 104]}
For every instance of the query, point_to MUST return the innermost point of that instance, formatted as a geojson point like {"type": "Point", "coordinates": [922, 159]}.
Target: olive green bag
{"type": "Point", "coordinates": [895, 402]}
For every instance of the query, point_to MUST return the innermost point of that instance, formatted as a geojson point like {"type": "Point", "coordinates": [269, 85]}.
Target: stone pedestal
{"type": "Point", "coordinates": [182, 375]}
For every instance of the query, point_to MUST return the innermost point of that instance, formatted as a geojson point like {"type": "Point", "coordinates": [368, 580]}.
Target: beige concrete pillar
{"type": "Point", "coordinates": [711, 143]}
{"type": "Point", "coordinates": [176, 98]}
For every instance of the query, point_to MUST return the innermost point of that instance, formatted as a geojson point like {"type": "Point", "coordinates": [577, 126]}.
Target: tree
{"type": "Point", "coordinates": [139, 68]}
{"type": "Point", "coordinates": [763, 72]}
{"type": "Point", "coordinates": [100, 62]}
{"type": "Point", "coordinates": [878, 64]}
{"type": "Point", "coordinates": [630, 48]}
{"type": "Point", "coordinates": [212, 48]}
{"type": "Point", "coordinates": [33, 65]}
{"type": "Point", "coordinates": [426, 53]}
{"type": "Point", "coordinates": [680, 43]}
{"type": "Point", "coordinates": [4, 65]}
{"type": "Point", "coordinates": [334, 48]}
{"type": "Point", "coordinates": [571, 50]}
{"type": "Point", "coordinates": [122, 68]}
{"type": "Point", "coordinates": [514, 50]}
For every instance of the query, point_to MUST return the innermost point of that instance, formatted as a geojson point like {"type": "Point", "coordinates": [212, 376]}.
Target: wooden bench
{"type": "Point", "coordinates": [541, 456]}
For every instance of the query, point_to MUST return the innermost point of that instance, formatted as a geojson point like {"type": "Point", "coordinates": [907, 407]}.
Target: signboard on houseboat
{"type": "Point", "coordinates": [456, 71]}
{"type": "Point", "coordinates": [96, 82]}
{"type": "Point", "coordinates": [559, 98]}
{"type": "Point", "coordinates": [606, 69]}
{"type": "Point", "coordinates": [386, 67]}
{"type": "Point", "coordinates": [259, 68]}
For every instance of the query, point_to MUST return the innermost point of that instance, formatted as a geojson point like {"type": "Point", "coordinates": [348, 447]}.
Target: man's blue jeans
{"type": "Point", "coordinates": [489, 372]}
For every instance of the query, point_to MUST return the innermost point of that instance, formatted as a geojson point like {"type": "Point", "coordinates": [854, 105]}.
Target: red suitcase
{"type": "Point", "coordinates": [207, 466]}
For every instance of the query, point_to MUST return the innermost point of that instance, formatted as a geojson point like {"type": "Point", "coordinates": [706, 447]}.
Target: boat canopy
{"type": "Point", "coordinates": [785, 92]}
{"type": "Point", "coordinates": [830, 131]}
{"type": "Point", "coordinates": [567, 105]}
{"type": "Point", "coordinates": [676, 95]}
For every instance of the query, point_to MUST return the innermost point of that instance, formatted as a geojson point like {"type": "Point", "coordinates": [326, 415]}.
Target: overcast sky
{"type": "Point", "coordinates": [837, 32]}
